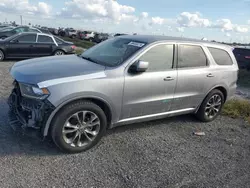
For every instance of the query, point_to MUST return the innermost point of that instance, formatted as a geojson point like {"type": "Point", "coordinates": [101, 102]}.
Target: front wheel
{"type": "Point", "coordinates": [59, 52]}
{"type": "Point", "coordinates": [1, 55]}
{"type": "Point", "coordinates": [211, 106]}
{"type": "Point", "coordinates": [78, 127]}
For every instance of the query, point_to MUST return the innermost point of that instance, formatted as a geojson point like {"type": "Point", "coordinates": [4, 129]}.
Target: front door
{"type": "Point", "coordinates": [21, 46]}
{"type": "Point", "coordinates": [151, 92]}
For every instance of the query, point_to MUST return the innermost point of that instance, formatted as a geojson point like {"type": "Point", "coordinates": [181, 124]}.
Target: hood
{"type": "Point", "coordinates": [38, 70]}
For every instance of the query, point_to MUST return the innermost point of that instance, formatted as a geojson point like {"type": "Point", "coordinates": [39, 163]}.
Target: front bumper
{"type": "Point", "coordinates": [28, 115]}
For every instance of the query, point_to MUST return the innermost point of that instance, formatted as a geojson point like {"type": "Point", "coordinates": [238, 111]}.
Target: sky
{"type": "Point", "coordinates": [221, 20]}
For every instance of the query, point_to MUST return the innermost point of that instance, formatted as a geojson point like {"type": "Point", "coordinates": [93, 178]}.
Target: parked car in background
{"type": "Point", "coordinates": [88, 35]}
{"type": "Point", "coordinates": [12, 31]}
{"type": "Point", "coordinates": [99, 37]}
{"type": "Point", "coordinates": [53, 31]}
{"type": "Point", "coordinates": [29, 45]}
{"type": "Point", "coordinates": [80, 34]}
{"type": "Point", "coordinates": [3, 26]}
{"type": "Point", "coordinates": [119, 34]}
{"type": "Point", "coordinates": [243, 57]}
{"type": "Point", "coordinates": [72, 33]}
{"type": "Point", "coordinates": [122, 80]}
{"type": "Point", "coordinates": [7, 28]}
{"type": "Point", "coordinates": [41, 30]}
{"type": "Point", "coordinates": [62, 32]}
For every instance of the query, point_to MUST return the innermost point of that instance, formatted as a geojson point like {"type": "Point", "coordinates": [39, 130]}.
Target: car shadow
{"type": "Point", "coordinates": [153, 123]}
{"type": "Point", "coordinates": [15, 143]}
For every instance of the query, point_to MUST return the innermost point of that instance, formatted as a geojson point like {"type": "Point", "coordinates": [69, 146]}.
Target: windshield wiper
{"type": "Point", "coordinates": [90, 59]}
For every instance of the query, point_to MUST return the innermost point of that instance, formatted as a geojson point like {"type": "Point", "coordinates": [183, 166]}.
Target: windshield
{"type": "Point", "coordinates": [113, 52]}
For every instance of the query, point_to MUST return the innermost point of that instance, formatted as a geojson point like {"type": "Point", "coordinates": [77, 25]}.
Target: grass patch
{"type": "Point", "coordinates": [244, 78]}
{"type": "Point", "coordinates": [79, 51]}
{"type": "Point", "coordinates": [79, 43]}
{"type": "Point", "coordinates": [237, 109]}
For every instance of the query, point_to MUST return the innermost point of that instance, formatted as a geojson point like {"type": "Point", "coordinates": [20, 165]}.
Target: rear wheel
{"type": "Point", "coordinates": [59, 52]}
{"type": "Point", "coordinates": [211, 106]}
{"type": "Point", "coordinates": [78, 127]}
{"type": "Point", "coordinates": [1, 55]}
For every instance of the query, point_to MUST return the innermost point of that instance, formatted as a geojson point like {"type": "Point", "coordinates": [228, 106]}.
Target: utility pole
{"type": "Point", "coordinates": [21, 17]}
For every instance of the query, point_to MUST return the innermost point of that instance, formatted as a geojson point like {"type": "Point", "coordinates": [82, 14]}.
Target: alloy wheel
{"type": "Point", "coordinates": [1, 55]}
{"type": "Point", "coordinates": [213, 106]}
{"type": "Point", "coordinates": [81, 128]}
{"type": "Point", "coordinates": [59, 53]}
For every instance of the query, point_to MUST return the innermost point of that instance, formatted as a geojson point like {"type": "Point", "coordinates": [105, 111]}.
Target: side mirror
{"type": "Point", "coordinates": [139, 66]}
{"type": "Point", "coordinates": [14, 41]}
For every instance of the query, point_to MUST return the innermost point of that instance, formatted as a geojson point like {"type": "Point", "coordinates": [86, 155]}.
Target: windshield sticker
{"type": "Point", "coordinates": [137, 44]}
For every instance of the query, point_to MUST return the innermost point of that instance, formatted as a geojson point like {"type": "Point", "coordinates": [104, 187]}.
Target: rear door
{"type": "Point", "coordinates": [21, 46]}
{"type": "Point", "coordinates": [194, 77]}
{"type": "Point", "coordinates": [44, 45]}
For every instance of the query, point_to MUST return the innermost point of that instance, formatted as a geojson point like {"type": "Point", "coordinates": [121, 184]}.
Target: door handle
{"type": "Point", "coordinates": [169, 78]}
{"type": "Point", "coordinates": [210, 75]}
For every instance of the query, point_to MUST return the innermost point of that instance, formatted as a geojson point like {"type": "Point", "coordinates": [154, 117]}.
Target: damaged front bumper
{"type": "Point", "coordinates": [28, 115]}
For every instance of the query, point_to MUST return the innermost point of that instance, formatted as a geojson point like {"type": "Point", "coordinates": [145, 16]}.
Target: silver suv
{"type": "Point", "coordinates": [123, 80]}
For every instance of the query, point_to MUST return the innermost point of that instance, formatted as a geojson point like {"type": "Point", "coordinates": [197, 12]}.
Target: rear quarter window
{"type": "Point", "coordinates": [221, 57]}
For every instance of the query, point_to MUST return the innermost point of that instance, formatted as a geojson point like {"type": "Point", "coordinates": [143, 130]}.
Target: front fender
{"type": "Point", "coordinates": [75, 97]}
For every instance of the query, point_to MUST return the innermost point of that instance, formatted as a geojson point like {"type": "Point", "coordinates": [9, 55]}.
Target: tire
{"type": "Point", "coordinates": [59, 53]}
{"type": "Point", "coordinates": [204, 109]}
{"type": "Point", "coordinates": [60, 121]}
{"type": "Point", "coordinates": [1, 55]}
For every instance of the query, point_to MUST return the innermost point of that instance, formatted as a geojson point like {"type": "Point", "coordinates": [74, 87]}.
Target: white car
{"type": "Point", "coordinates": [88, 35]}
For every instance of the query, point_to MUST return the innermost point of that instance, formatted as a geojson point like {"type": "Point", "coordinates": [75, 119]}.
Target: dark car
{"type": "Point", "coordinates": [3, 26]}
{"type": "Point", "coordinates": [6, 28]}
{"type": "Point", "coordinates": [242, 56]}
{"type": "Point", "coordinates": [28, 45]}
{"type": "Point", "coordinates": [4, 33]}
{"type": "Point", "coordinates": [12, 31]}
{"type": "Point", "coordinates": [99, 37]}
{"type": "Point", "coordinates": [54, 31]}
{"type": "Point", "coordinates": [42, 30]}
{"type": "Point", "coordinates": [119, 34]}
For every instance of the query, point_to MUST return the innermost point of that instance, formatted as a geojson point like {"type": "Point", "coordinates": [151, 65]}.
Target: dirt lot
{"type": "Point", "coordinates": [161, 153]}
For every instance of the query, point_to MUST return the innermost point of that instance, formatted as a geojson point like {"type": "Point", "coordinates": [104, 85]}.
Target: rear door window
{"type": "Point", "coordinates": [191, 56]}
{"type": "Point", "coordinates": [221, 57]}
{"type": "Point", "coordinates": [44, 39]}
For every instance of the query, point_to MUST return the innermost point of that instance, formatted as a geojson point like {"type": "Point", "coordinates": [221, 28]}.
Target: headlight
{"type": "Point", "coordinates": [33, 92]}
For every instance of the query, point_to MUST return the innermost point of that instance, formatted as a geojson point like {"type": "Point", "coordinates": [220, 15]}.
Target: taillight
{"type": "Point", "coordinates": [73, 47]}
{"type": "Point", "coordinates": [247, 57]}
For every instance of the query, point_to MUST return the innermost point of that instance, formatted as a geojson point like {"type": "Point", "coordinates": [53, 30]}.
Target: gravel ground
{"type": "Point", "coordinates": [161, 153]}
